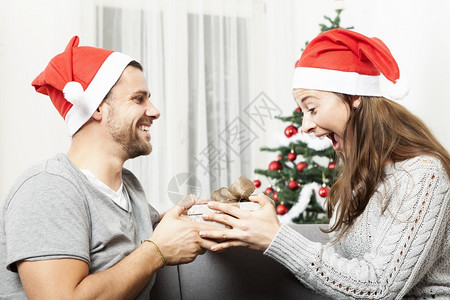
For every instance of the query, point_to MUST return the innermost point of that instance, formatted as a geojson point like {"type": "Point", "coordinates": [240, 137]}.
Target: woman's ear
{"type": "Point", "coordinates": [356, 100]}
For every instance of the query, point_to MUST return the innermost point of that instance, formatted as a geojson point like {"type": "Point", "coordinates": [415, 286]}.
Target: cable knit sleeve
{"type": "Point", "coordinates": [410, 236]}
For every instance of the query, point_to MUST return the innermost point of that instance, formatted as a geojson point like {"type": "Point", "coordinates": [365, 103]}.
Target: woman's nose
{"type": "Point", "coordinates": [308, 126]}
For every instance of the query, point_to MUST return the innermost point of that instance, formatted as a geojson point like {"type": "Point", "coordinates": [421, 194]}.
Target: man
{"type": "Point", "coordinates": [72, 226]}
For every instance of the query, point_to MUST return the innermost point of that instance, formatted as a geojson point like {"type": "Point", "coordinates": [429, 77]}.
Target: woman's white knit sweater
{"type": "Point", "coordinates": [398, 252]}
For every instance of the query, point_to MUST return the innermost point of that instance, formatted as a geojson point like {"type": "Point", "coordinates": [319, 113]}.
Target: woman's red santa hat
{"type": "Point", "coordinates": [78, 80]}
{"type": "Point", "coordinates": [344, 61]}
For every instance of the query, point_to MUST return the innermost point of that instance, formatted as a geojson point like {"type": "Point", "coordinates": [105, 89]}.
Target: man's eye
{"type": "Point", "coordinates": [139, 99]}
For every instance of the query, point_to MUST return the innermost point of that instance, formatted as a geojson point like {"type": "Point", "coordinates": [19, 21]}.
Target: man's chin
{"type": "Point", "coordinates": [150, 149]}
{"type": "Point", "coordinates": [140, 151]}
{"type": "Point", "coordinates": [146, 151]}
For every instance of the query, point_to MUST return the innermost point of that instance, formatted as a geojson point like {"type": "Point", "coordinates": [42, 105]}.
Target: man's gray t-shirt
{"type": "Point", "coordinates": [53, 211]}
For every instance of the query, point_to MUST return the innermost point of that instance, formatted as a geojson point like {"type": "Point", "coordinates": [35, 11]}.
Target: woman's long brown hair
{"type": "Point", "coordinates": [378, 132]}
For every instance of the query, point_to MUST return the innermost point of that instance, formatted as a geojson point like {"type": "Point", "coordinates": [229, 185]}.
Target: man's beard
{"type": "Point", "coordinates": [128, 138]}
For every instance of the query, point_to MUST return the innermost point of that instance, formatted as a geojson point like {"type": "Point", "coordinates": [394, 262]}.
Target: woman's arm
{"type": "Point", "coordinates": [400, 257]}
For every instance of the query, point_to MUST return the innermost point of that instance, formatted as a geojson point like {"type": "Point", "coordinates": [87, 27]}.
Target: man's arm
{"type": "Point", "coordinates": [176, 236]}
{"type": "Point", "coordinates": [70, 279]}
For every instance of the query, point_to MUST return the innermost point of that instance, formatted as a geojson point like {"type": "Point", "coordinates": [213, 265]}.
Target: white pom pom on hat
{"type": "Point", "coordinates": [78, 79]}
{"type": "Point", "coordinates": [397, 90]}
{"type": "Point", "coordinates": [73, 92]}
{"type": "Point", "coordinates": [344, 61]}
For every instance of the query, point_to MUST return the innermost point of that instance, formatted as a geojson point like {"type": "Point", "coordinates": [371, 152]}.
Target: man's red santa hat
{"type": "Point", "coordinates": [344, 61]}
{"type": "Point", "coordinates": [78, 80]}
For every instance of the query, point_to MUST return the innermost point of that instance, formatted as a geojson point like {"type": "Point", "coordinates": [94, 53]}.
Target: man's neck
{"type": "Point", "coordinates": [99, 161]}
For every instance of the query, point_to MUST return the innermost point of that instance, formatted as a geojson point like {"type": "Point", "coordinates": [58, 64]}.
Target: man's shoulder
{"type": "Point", "coordinates": [58, 165]}
{"type": "Point", "coordinates": [46, 173]}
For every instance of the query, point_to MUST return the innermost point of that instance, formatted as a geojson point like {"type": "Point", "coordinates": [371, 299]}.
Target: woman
{"type": "Point", "coordinates": [389, 208]}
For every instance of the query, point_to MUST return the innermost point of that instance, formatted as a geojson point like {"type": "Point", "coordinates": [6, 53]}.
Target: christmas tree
{"type": "Point", "coordinates": [304, 170]}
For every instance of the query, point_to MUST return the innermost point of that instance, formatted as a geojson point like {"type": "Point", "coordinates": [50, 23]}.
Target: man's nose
{"type": "Point", "coordinates": [152, 111]}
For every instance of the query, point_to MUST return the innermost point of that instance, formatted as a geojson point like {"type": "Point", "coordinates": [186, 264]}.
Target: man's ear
{"type": "Point", "coordinates": [98, 113]}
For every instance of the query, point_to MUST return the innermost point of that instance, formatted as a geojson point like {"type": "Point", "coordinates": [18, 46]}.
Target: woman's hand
{"type": "Point", "coordinates": [253, 229]}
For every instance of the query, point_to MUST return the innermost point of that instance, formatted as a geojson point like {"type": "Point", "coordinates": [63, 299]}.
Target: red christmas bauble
{"type": "Point", "coordinates": [298, 109]}
{"type": "Point", "coordinates": [257, 183]}
{"type": "Point", "coordinates": [290, 131]}
{"type": "Point", "coordinates": [292, 156]}
{"type": "Point", "coordinates": [281, 209]}
{"type": "Point", "coordinates": [275, 196]}
{"type": "Point", "coordinates": [293, 185]}
{"type": "Point", "coordinates": [275, 165]}
{"type": "Point", "coordinates": [332, 165]}
{"type": "Point", "coordinates": [268, 190]}
{"type": "Point", "coordinates": [301, 166]}
{"type": "Point", "coordinates": [323, 191]}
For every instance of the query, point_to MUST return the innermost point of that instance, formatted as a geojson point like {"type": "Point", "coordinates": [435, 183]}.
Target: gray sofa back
{"type": "Point", "coordinates": [238, 273]}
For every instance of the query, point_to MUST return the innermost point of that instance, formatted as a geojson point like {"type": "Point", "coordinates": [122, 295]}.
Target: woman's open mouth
{"type": "Point", "coordinates": [336, 140]}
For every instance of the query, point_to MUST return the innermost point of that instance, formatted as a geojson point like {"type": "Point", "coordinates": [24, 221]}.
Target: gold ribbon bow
{"type": "Point", "coordinates": [239, 191]}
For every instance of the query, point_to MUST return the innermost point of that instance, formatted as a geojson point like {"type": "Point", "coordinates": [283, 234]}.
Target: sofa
{"type": "Point", "coordinates": [238, 273]}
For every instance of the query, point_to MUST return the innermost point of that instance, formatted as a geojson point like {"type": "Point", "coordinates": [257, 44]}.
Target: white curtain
{"type": "Point", "coordinates": [195, 57]}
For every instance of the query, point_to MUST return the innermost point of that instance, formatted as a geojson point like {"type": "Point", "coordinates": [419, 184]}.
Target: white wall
{"type": "Point", "coordinates": [32, 32]}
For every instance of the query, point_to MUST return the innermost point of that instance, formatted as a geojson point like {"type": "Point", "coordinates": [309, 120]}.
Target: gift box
{"type": "Point", "coordinates": [196, 211]}
{"type": "Point", "coordinates": [236, 194]}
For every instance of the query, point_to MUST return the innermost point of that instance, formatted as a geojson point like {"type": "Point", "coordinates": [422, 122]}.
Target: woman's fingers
{"type": "Point", "coordinates": [227, 208]}
{"type": "Point", "coordinates": [262, 199]}
{"type": "Point", "coordinates": [221, 218]}
{"type": "Point", "coordinates": [223, 236]}
{"type": "Point", "coordinates": [227, 244]}
{"type": "Point", "coordinates": [254, 229]}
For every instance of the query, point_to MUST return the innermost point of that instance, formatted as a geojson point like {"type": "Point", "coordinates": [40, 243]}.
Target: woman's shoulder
{"type": "Point", "coordinates": [422, 162]}
{"type": "Point", "coordinates": [418, 169]}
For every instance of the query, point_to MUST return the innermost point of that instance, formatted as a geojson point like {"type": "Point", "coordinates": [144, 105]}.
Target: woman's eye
{"type": "Point", "coordinates": [311, 110]}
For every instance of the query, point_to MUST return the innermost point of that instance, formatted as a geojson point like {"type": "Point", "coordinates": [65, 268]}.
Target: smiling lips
{"type": "Point", "coordinates": [144, 128]}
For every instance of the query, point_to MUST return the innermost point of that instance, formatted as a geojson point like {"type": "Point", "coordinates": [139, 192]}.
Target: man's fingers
{"type": "Point", "coordinates": [185, 217]}
{"type": "Point", "coordinates": [187, 201]}
{"type": "Point", "coordinates": [201, 200]}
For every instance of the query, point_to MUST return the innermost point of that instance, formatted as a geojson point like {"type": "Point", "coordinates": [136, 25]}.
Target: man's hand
{"type": "Point", "coordinates": [178, 237]}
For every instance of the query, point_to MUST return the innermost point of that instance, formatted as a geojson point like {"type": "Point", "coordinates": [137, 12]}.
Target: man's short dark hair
{"type": "Point", "coordinates": [132, 63]}
{"type": "Point", "coordinates": [135, 64]}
